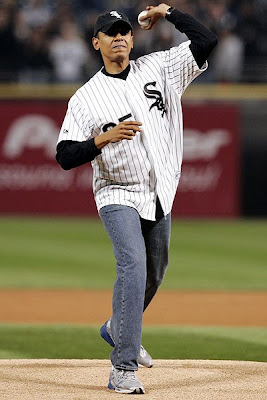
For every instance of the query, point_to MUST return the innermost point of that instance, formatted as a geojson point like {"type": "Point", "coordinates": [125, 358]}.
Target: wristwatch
{"type": "Point", "coordinates": [169, 11]}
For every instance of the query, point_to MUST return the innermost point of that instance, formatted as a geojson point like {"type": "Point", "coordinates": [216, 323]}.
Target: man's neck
{"type": "Point", "coordinates": [122, 75]}
{"type": "Point", "coordinates": [116, 67]}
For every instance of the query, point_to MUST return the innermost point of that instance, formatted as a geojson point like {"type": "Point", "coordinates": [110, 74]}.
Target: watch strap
{"type": "Point", "coordinates": [169, 11]}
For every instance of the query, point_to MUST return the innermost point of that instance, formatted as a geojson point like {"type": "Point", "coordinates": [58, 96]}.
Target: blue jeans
{"type": "Point", "coordinates": [141, 249]}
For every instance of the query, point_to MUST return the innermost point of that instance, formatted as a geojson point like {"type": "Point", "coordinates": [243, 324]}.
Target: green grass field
{"type": "Point", "coordinates": [84, 342]}
{"type": "Point", "coordinates": [76, 253]}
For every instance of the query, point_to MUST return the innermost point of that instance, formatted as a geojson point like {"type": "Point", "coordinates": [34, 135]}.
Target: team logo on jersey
{"type": "Point", "coordinates": [155, 94]}
{"type": "Point", "coordinates": [115, 14]}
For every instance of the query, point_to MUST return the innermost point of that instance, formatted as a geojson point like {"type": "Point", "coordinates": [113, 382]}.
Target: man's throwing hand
{"type": "Point", "coordinates": [154, 13]}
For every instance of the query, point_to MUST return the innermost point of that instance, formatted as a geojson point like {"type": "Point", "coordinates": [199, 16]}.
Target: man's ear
{"type": "Point", "coordinates": [95, 43]}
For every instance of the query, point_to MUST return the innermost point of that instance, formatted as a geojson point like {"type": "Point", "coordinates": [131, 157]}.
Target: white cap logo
{"type": "Point", "coordinates": [115, 14]}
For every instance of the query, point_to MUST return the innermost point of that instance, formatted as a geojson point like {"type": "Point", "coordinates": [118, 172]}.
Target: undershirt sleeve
{"type": "Point", "coordinates": [202, 39]}
{"type": "Point", "coordinates": [71, 153]}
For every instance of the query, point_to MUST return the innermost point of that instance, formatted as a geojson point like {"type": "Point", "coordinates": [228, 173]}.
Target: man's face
{"type": "Point", "coordinates": [116, 44]}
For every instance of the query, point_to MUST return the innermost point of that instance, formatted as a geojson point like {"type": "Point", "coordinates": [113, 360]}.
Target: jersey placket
{"type": "Point", "coordinates": [130, 88]}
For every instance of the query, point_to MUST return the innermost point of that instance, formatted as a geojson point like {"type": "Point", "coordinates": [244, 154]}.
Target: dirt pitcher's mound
{"type": "Point", "coordinates": [169, 379]}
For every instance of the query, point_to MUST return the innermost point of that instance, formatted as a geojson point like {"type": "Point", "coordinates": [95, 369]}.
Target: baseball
{"type": "Point", "coordinates": [146, 22]}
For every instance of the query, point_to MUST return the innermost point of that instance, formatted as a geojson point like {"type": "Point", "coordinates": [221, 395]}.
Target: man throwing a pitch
{"type": "Point", "coordinates": [127, 121]}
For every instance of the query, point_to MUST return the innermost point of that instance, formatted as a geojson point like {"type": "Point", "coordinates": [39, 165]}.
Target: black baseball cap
{"type": "Point", "coordinates": [105, 21]}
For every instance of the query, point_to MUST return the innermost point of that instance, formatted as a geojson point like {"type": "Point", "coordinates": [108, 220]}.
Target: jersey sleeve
{"type": "Point", "coordinates": [180, 67]}
{"type": "Point", "coordinates": [77, 124]}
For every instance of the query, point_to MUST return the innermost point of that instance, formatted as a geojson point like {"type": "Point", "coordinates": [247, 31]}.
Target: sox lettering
{"type": "Point", "coordinates": [115, 14]}
{"type": "Point", "coordinates": [155, 94]}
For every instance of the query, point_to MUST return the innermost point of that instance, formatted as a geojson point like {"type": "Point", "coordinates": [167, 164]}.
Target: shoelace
{"type": "Point", "coordinates": [127, 375]}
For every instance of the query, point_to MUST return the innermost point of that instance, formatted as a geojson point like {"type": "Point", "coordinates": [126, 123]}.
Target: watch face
{"type": "Point", "coordinates": [168, 12]}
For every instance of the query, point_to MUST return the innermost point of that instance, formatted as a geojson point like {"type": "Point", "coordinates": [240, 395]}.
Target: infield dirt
{"type": "Point", "coordinates": [168, 307]}
{"type": "Point", "coordinates": [169, 379]}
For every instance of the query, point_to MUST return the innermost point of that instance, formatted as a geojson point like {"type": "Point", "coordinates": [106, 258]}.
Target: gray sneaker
{"type": "Point", "coordinates": [143, 359]}
{"type": "Point", "coordinates": [123, 381]}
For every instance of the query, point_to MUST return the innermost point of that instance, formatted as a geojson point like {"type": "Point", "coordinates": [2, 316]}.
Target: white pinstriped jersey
{"type": "Point", "coordinates": [134, 172]}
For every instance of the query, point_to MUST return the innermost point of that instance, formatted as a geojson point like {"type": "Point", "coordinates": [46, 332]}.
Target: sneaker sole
{"type": "Point", "coordinates": [104, 334]}
{"type": "Point", "coordinates": [146, 365]}
{"type": "Point", "coordinates": [110, 386]}
{"type": "Point", "coordinates": [130, 391]}
{"type": "Point", "coordinates": [126, 391]}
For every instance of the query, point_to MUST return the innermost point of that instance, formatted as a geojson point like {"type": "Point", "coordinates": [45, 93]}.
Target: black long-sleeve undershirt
{"type": "Point", "coordinates": [202, 39]}
{"type": "Point", "coordinates": [71, 154]}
